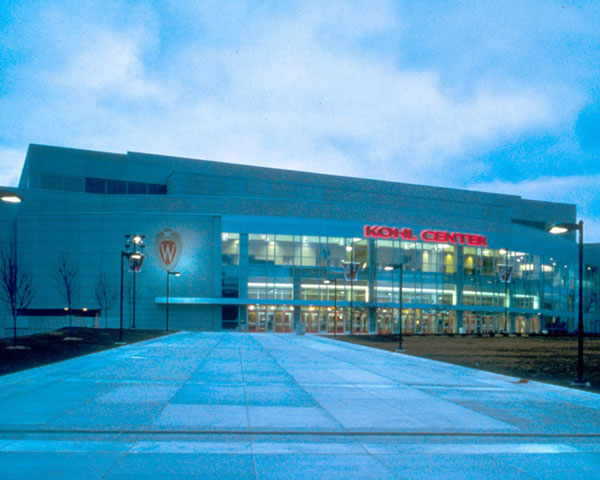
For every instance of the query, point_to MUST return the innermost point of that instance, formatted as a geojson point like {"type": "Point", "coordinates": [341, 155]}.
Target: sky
{"type": "Point", "coordinates": [499, 96]}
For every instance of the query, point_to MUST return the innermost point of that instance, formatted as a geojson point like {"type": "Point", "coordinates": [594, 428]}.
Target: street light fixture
{"type": "Point", "coordinates": [169, 273]}
{"type": "Point", "coordinates": [390, 268]}
{"type": "Point", "coordinates": [557, 229]}
{"type": "Point", "coordinates": [10, 197]}
{"type": "Point", "coordinates": [133, 253]}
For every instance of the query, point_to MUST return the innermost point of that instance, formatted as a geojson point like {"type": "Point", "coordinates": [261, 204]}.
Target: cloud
{"type": "Point", "coordinates": [108, 63]}
{"type": "Point", "coordinates": [11, 164]}
{"type": "Point", "coordinates": [581, 190]}
{"type": "Point", "coordinates": [288, 96]}
{"type": "Point", "coordinates": [306, 87]}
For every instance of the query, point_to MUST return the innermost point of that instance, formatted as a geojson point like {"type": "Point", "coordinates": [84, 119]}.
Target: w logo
{"type": "Point", "coordinates": [168, 248]}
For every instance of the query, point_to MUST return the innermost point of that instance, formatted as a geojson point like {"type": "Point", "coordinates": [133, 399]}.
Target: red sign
{"type": "Point", "coordinates": [431, 236]}
{"type": "Point", "coordinates": [168, 247]}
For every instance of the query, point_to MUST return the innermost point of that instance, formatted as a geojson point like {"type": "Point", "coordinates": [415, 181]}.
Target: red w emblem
{"type": "Point", "coordinates": [168, 247]}
{"type": "Point", "coordinates": [168, 250]}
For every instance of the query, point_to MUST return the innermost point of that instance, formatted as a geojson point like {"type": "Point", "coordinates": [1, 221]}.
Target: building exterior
{"type": "Point", "coordinates": [268, 250]}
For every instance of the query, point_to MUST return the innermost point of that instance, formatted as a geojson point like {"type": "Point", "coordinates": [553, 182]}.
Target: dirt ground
{"type": "Point", "coordinates": [541, 358]}
{"type": "Point", "coordinates": [45, 348]}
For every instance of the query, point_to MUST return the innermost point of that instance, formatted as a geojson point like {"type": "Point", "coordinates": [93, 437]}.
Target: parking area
{"type": "Point", "coordinates": [231, 405]}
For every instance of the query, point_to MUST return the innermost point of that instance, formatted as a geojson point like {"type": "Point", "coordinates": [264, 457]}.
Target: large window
{"type": "Point", "coordinates": [296, 267]}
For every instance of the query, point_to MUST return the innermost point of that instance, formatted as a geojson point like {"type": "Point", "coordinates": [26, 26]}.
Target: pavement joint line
{"type": "Point", "coordinates": [361, 433]}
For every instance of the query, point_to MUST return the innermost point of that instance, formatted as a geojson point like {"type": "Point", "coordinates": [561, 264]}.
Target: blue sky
{"type": "Point", "coordinates": [499, 96]}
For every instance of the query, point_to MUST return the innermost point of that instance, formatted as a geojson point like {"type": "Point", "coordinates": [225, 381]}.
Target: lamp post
{"type": "Point", "coordinates": [350, 248]}
{"type": "Point", "coordinates": [327, 282]}
{"type": "Point", "coordinates": [169, 273]}
{"type": "Point", "coordinates": [134, 244]}
{"type": "Point", "coordinates": [504, 251]}
{"type": "Point", "coordinates": [389, 268]}
{"type": "Point", "coordinates": [138, 243]}
{"type": "Point", "coordinates": [563, 228]}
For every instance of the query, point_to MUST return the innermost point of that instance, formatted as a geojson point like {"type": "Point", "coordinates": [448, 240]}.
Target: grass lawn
{"type": "Point", "coordinates": [541, 358]}
{"type": "Point", "coordinates": [50, 347]}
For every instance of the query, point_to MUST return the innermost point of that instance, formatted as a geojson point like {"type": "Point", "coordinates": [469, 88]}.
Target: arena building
{"type": "Point", "coordinates": [269, 250]}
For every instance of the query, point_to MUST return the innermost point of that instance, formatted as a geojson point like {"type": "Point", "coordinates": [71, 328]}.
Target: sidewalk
{"type": "Point", "coordinates": [219, 405]}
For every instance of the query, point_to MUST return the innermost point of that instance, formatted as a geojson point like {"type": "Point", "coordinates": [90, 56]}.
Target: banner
{"type": "Point", "coordinates": [168, 247]}
{"type": "Point", "coordinates": [135, 264]}
{"type": "Point", "coordinates": [351, 270]}
{"type": "Point", "coordinates": [505, 273]}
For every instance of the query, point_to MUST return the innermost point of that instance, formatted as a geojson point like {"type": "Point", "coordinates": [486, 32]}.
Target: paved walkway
{"type": "Point", "coordinates": [218, 405]}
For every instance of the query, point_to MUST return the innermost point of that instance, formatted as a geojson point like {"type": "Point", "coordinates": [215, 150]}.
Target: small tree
{"type": "Point", "coordinates": [16, 290]}
{"type": "Point", "coordinates": [105, 294]}
{"type": "Point", "coordinates": [66, 277]}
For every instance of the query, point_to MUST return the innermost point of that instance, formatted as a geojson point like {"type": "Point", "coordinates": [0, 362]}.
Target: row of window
{"type": "Point", "coordinates": [324, 252]}
{"type": "Point", "coordinates": [430, 273]}
{"type": "Point", "coordinates": [121, 187]}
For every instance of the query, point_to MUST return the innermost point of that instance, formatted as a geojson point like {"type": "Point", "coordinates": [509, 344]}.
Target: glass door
{"type": "Point", "coordinates": [331, 321]}
{"type": "Point", "coordinates": [283, 322]}
{"type": "Point", "coordinates": [311, 320]}
{"type": "Point", "coordinates": [385, 322]}
{"type": "Point", "coordinates": [256, 321]}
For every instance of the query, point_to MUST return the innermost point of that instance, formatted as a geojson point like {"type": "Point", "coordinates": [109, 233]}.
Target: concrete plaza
{"type": "Point", "coordinates": [220, 406]}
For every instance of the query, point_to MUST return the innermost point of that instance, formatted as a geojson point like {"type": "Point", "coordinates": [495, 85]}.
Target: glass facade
{"type": "Point", "coordinates": [282, 281]}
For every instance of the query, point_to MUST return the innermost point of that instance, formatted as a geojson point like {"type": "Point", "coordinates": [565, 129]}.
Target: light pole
{"type": "Point", "coordinates": [389, 268]}
{"type": "Point", "coordinates": [563, 228]}
{"type": "Point", "coordinates": [350, 248]}
{"type": "Point", "coordinates": [133, 253]}
{"type": "Point", "coordinates": [138, 243]}
{"type": "Point", "coordinates": [327, 282]}
{"type": "Point", "coordinates": [169, 273]}
{"type": "Point", "coordinates": [504, 251]}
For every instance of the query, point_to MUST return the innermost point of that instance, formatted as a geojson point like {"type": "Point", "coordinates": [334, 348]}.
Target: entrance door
{"type": "Point", "coordinates": [331, 321]}
{"type": "Point", "coordinates": [256, 321]}
{"type": "Point", "coordinates": [428, 322]}
{"type": "Point", "coordinates": [385, 323]}
{"type": "Point", "coordinates": [409, 321]}
{"type": "Point", "coordinates": [283, 322]}
{"type": "Point", "coordinates": [311, 320]}
{"type": "Point", "coordinates": [360, 322]}
{"type": "Point", "coordinates": [270, 321]}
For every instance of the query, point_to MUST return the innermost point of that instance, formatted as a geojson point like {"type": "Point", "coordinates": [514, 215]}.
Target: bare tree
{"type": "Point", "coordinates": [66, 277]}
{"type": "Point", "coordinates": [16, 289]}
{"type": "Point", "coordinates": [105, 294]}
